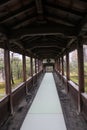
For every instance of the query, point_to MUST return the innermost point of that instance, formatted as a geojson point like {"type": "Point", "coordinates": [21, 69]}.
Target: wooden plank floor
{"type": "Point", "coordinates": [45, 112]}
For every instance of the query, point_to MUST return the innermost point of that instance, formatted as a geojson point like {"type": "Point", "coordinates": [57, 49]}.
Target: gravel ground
{"type": "Point", "coordinates": [72, 119]}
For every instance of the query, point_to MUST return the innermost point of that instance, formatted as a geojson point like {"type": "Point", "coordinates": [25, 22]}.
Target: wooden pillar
{"type": "Point", "coordinates": [24, 72]}
{"type": "Point", "coordinates": [24, 68]}
{"type": "Point", "coordinates": [41, 65]}
{"type": "Point", "coordinates": [67, 70]}
{"type": "Point", "coordinates": [38, 65]}
{"type": "Point", "coordinates": [31, 66]}
{"type": "Point", "coordinates": [8, 78]}
{"type": "Point", "coordinates": [56, 64]}
{"type": "Point", "coordinates": [35, 65]}
{"type": "Point", "coordinates": [62, 66]}
{"type": "Point", "coordinates": [80, 72]}
{"type": "Point", "coordinates": [31, 69]}
{"type": "Point", "coordinates": [59, 64]}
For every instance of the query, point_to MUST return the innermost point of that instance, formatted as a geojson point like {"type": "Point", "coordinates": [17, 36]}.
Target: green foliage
{"type": "Point", "coordinates": [2, 87]}
{"type": "Point", "coordinates": [74, 79]}
{"type": "Point", "coordinates": [16, 69]}
{"type": "Point", "coordinates": [16, 83]}
{"type": "Point", "coordinates": [27, 67]}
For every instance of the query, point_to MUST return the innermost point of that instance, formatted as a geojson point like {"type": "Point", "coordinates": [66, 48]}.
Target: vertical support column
{"type": "Point", "coordinates": [62, 66]}
{"type": "Point", "coordinates": [80, 72]}
{"type": "Point", "coordinates": [8, 78]}
{"type": "Point", "coordinates": [24, 72]}
{"type": "Point", "coordinates": [41, 65]}
{"type": "Point", "coordinates": [24, 68]}
{"type": "Point", "coordinates": [31, 68]}
{"type": "Point", "coordinates": [38, 66]}
{"type": "Point", "coordinates": [67, 70]}
{"type": "Point", "coordinates": [59, 64]}
{"type": "Point", "coordinates": [35, 65]}
{"type": "Point", "coordinates": [56, 64]}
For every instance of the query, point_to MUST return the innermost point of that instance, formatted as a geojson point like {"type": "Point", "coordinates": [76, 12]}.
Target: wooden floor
{"type": "Point", "coordinates": [45, 112]}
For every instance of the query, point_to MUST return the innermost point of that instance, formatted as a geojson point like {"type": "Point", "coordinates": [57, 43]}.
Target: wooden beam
{"type": "Point", "coordinates": [46, 51]}
{"type": "Point", "coordinates": [72, 40]}
{"type": "Point", "coordinates": [32, 39]}
{"type": "Point", "coordinates": [25, 23]}
{"type": "Point", "coordinates": [38, 66]}
{"type": "Point", "coordinates": [8, 79]}
{"type": "Point", "coordinates": [65, 9]}
{"type": "Point", "coordinates": [35, 65]}
{"type": "Point", "coordinates": [49, 46]}
{"type": "Point", "coordinates": [24, 68]}
{"type": "Point", "coordinates": [44, 30]}
{"type": "Point", "coordinates": [31, 14]}
{"type": "Point", "coordinates": [62, 66]}
{"type": "Point", "coordinates": [59, 64]}
{"type": "Point", "coordinates": [67, 70]}
{"type": "Point", "coordinates": [39, 7]}
{"type": "Point", "coordinates": [3, 2]}
{"type": "Point", "coordinates": [41, 44]}
{"type": "Point", "coordinates": [80, 72]}
{"type": "Point", "coordinates": [14, 13]}
{"type": "Point", "coordinates": [81, 26]}
{"type": "Point", "coordinates": [31, 67]}
{"type": "Point", "coordinates": [59, 21]}
{"type": "Point", "coordinates": [43, 56]}
{"type": "Point", "coordinates": [57, 18]}
{"type": "Point", "coordinates": [17, 43]}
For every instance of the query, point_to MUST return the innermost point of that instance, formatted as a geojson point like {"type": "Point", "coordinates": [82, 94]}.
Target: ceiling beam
{"type": "Point", "coordinates": [58, 19]}
{"type": "Point", "coordinates": [48, 46]}
{"type": "Point", "coordinates": [25, 23]}
{"type": "Point", "coordinates": [81, 25]}
{"type": "Point", "coordinates": [40, 43]}
{"type": "Point", "coordinates": [17, 12]}
{"type": "Point", "coordinates": [69, 44]}
{"type": "Point", "coordinates": [64, 8]}
{"type": "Point", "coordinates": [33, 39]}
{"type": "Point", "coordinates": [44, 30]}
{"type": "Point", "coordinates": [2, 2]}
{"type": "Point", "coordinates": [58, 40]}
{"type": "Point", "coordinates": [46, 51]}
{"type": "Point", "coordinates": [39, 7]}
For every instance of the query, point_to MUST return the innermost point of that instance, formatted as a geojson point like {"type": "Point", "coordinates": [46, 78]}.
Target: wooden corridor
{"type": "Point", "coordinates": [45, 112]}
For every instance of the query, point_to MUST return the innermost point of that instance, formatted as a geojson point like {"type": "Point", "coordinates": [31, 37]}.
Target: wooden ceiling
{"type": "Point", "coordinates": [44, 28]}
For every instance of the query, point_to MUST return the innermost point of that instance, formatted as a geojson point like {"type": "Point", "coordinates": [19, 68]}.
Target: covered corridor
{"type": "Point", "coordinates": [38, 37]}
{"type": "Point", "coordinates": [45, 112]}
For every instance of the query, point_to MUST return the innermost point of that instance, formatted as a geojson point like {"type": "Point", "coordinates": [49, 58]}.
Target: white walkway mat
{"type": "Point", "coordinates": [45, 112]}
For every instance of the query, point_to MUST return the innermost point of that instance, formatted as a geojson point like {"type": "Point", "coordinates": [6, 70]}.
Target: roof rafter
{"type": "Point", "coordinates": [44, 30]}
{"type": "Point", "coordinates": [66, 9]}
{"type": "Point", "coordinates": [43, 46]}
{"type": "Point", "coordinates": [17, 12]}
{"type": "Point", "coordinates": [39, 7]}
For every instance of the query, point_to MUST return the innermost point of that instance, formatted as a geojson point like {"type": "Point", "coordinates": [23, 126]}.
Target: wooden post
{"type": "Point", "coordinates": [24, 71]}
{"type": "Point", "coordinates": [67, 70]}
{"type": "Point", "coordinates": [31, 68]}
{"type": "Point", "coordinates": [38, 66]}
{"type": "Point", "coordinates": [8, 78]}
{"type": "Point", "coordinates": [80, 72]}
{"type": "Point", "coordinates": [35, 65]}
{"type": "Point", "coordinates": [24, 68]}
{"type": "Point", "coordinates": [62, 66]}
{"type": "Point", "coordinates": [56, 64]}
{"type": "Point", "coordinates": [59, 64]}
